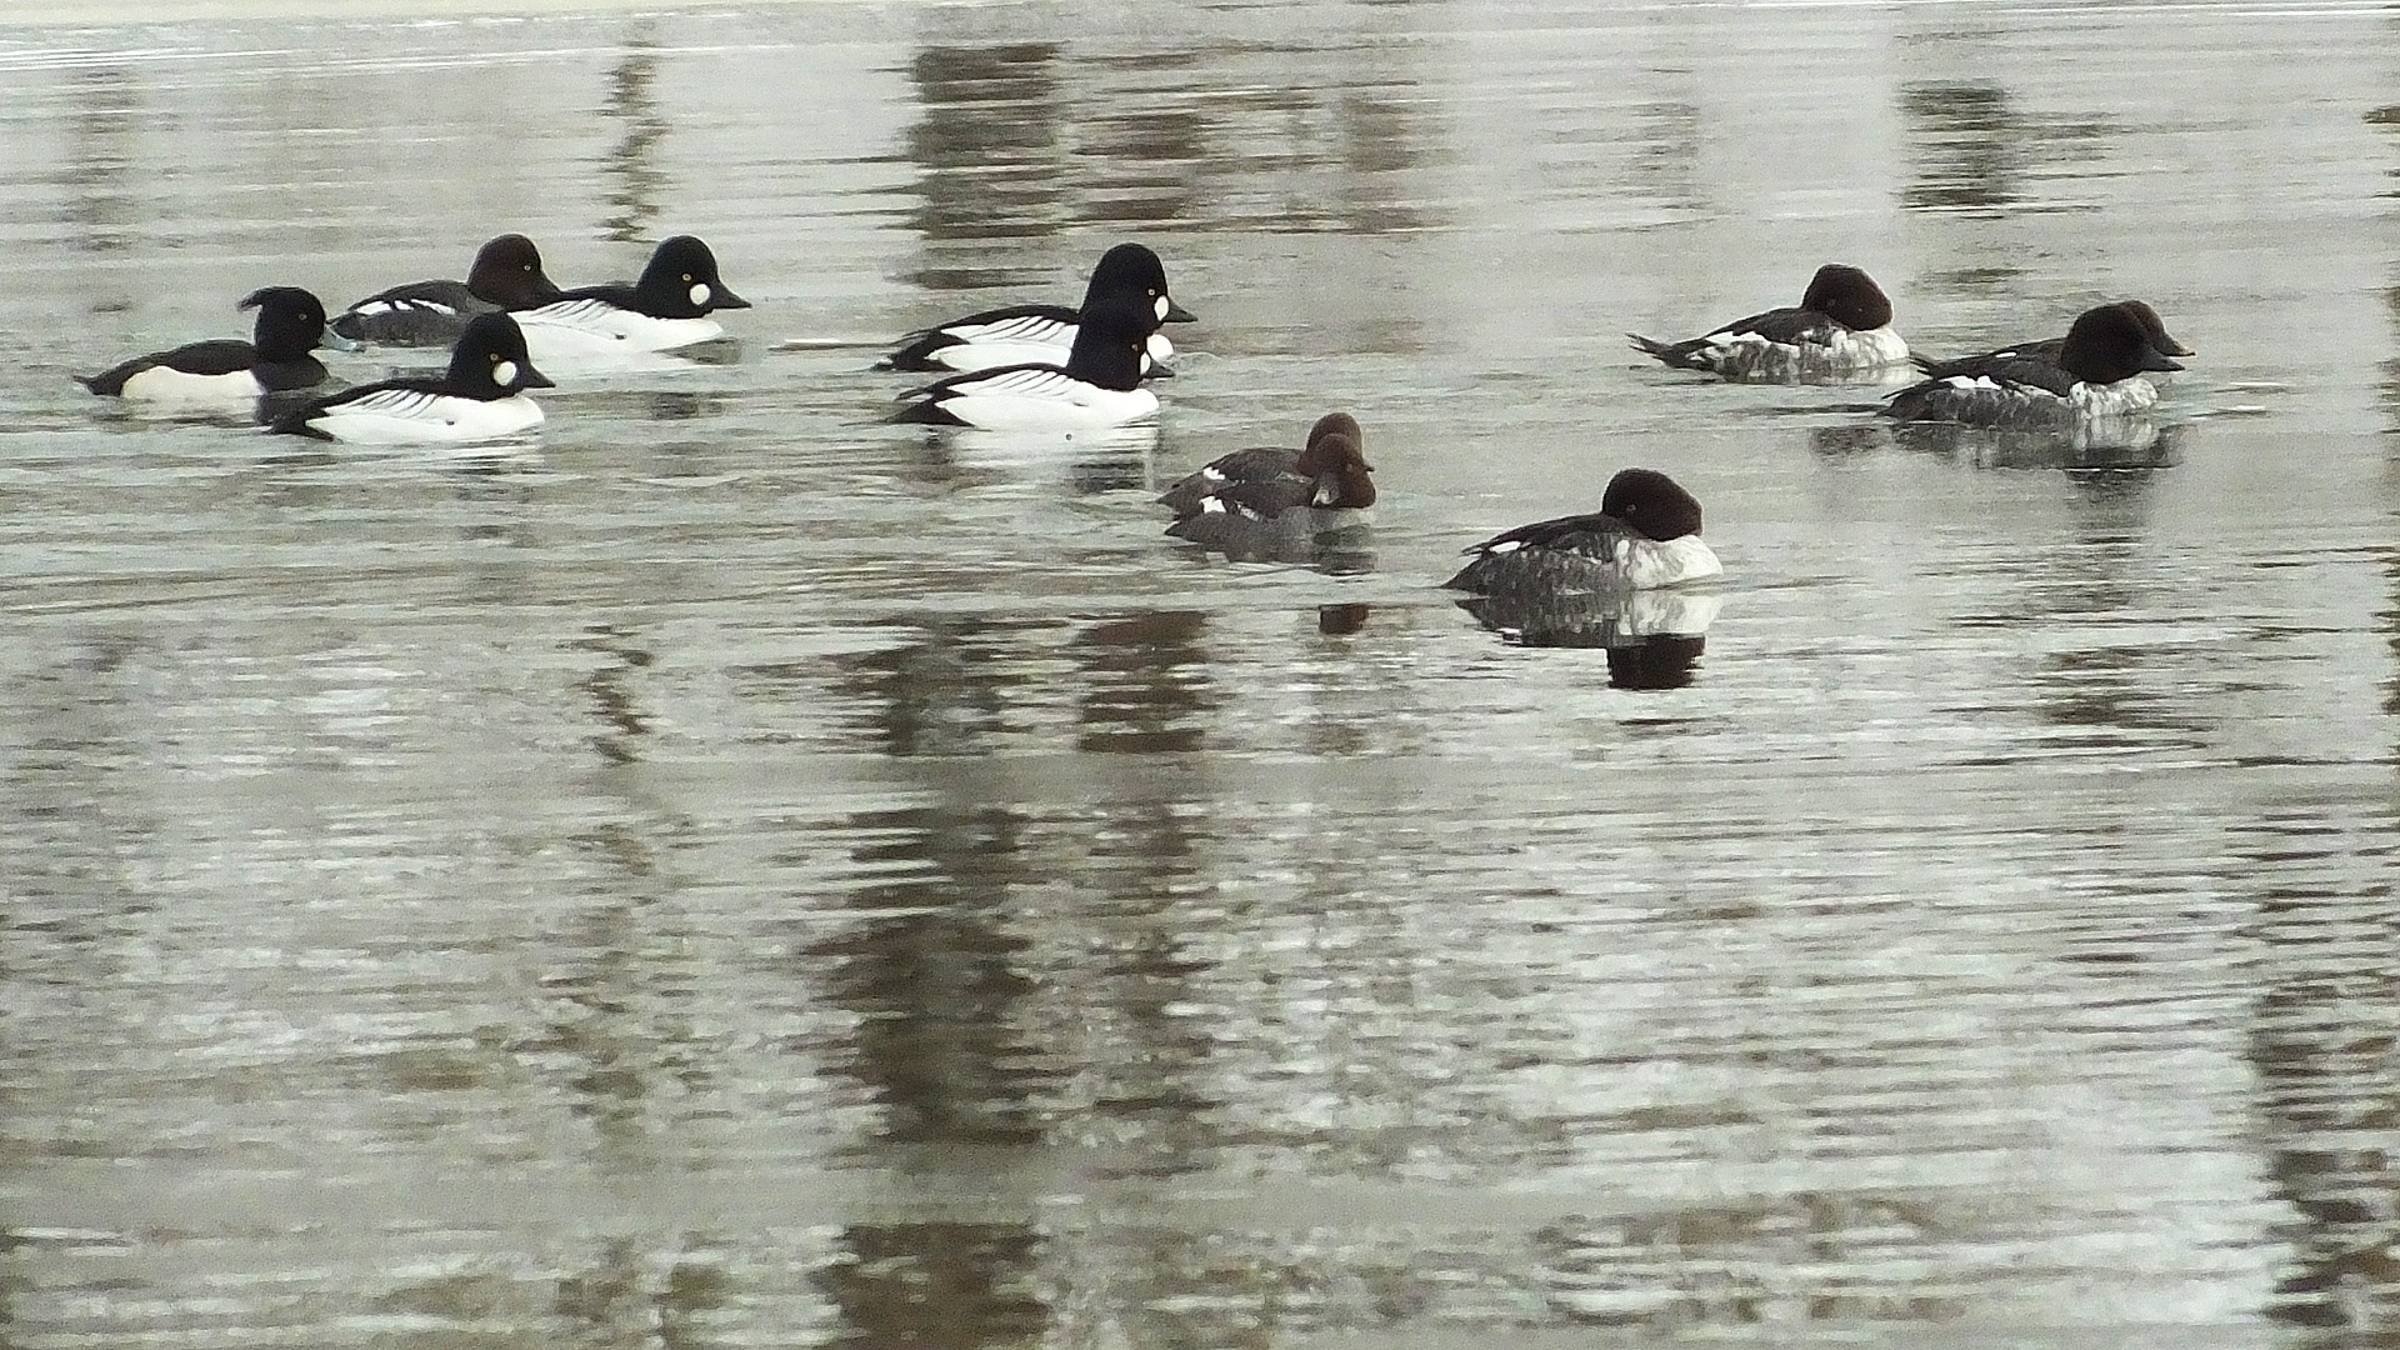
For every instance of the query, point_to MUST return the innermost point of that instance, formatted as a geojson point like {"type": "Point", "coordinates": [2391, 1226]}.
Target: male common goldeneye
{"type": "Point", "coordinates": [480, 399]}
{"type": "Point", "coordinates": [1328, 492]}
{"type": "Point", "coordinates": [1098, 386]}
{"type": "Point", "coordinates": [1842, 327]}
{"type": "Point", "coordinates": [1043, 334]}
{"type": "Point", "coordinates": [507, 274]}
{"type": "Point", "coordinates": [1645, 535]}
{"type": "Point", "coordinates": [2097, 373]}
{"type": "Point", "coordinates": [668, 308]}
{"type": "Point", "coordinates": [2047, 349]}
{"type": "Point", "coordinates": [1262, 463]}
{"type": "Point", "coordinates": [291, 324]}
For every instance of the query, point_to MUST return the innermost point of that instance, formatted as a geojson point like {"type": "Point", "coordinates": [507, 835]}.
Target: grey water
{"type": "Point", "coordinates": [732, 872]}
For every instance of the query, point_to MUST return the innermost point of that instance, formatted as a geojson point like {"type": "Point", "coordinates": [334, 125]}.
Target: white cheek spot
{"type": "Point", "coordinates": [504, 374]}
{"type": "Point", "coordinates": [1159, 307]}
{"type": "Point", "coordinates": [1214, 506]}
{"type": "Point", "coordinates": [700, 293]}
{"type": "Point", "coordinates": [1145, 363]}
{"type": "Point", "coordinates": [1504, 546]}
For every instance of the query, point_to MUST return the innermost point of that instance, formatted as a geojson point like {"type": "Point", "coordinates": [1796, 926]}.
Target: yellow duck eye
{"type": "Point", "coordinates": [495, 358]}
{"type": "Point", "coordinates": [687, 276]}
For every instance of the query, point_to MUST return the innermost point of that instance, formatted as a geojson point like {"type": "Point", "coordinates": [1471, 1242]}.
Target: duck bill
{"type": "Point", "coordinates": [728, 300]}
{"type": "Point", "coordinates": [1157, 370]}
{"type": "Point", "coordinates": [333, 341]}
{"type": "Point", "coordinates": [1178, 314]}
{"type": "Point", "coordinates": [2173, 348]}
{"type": "Point", "coordinates": [535, 379]}
{"type": "Point", "coordinates": [2154, 359]}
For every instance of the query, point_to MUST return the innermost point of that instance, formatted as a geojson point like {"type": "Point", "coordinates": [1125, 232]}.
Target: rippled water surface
{"type": "Point", "coordinates": [731, 872]}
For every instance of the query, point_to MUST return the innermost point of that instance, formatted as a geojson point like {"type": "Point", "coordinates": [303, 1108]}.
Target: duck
{"type": "Point", "coordinates": [278, 357]}
{"type": "Point", "coordinates": [1043, 334]}
{"type": "Point", "coordinates": [1257, 464]}
{"type": "Point", "coordinates": [506, 274]}
{"type": "Point", "coordinates": [666, 309]}
{"type": "Point", "coordinates": [481, 397]}
{"type": "Point", "coordinates": [2048, 349]}
{"type": "Point", "coordinates": [1099, 384]}
{"type": "Point", "coordinates": [1842, 327]}
{"type": "Point", "coordinates": [1645, 536]}
{"type": "Point", "coordinates": [1329, 491]}
{"type": "Point", "coordinates": [2096, 374]}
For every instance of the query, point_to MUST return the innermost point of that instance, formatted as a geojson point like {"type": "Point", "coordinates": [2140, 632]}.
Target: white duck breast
{"type": "Point", "coordinates": [1648, 564]}
{"type": "Point", "coordinates": [989, 353]}
{"type": "Point", "coordinates": [417, 417]}
{"type": "Point", "coordinates": [569, 328]}
{"type": "Point", "coordinates": [2114, 400]}
{"type": "Point", "coordinates": [1042, 400]}
{"type": "Point", "coordinates": [169, 387]}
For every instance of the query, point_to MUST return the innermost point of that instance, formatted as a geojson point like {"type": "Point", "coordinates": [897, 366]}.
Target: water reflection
{"type": "Point", "coordinates": [1342, 620]}
{"type": "Point", "coordinates": [2104, 450]}
{"type": "Point", "coordinates": [100, 207]}
{"type": "Point", "coordinates": [631, 165]}
{"type": "Point", "coordinates": [1974, 148]}
{"type": "Point", "coordinates": [2323, 1041]}
{"type": "Point", "coordinates": [1113, 459]}
{"type": "Point", "coordinates": [986, 141]}
{"type": "Point", "coordinates": [928, 967]}
{"type": "Point", "coordinates": [938, 1284]}
{"type": "Point", "coordinates": [1653, 639]}
{"type": "Point", "coordinates": [1961, 137]}
{"type": "Point", "coordinates": [1146, 679]}
{"type": "Point", "coordinates": [1704, 1265]}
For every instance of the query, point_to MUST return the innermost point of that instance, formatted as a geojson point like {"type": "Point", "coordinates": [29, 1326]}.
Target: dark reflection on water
{"type": "Point", "coordinates": [100, 206]}
{"type": "Point", "coordinates": [1977, 150]}
{"type": "Point", "coordinates": [636, 183]}
{"type": "Point", "coordinates": [929, 969]}
{"type": "Point", "coordinates": [1964, 143]}
{"type": "Point", "coordinates": [1146, 677]}
{"type": "Point", "coordinates": [945, 1284]}
{"type": "Point", "coordinates": [2322, 1040]}
{"type": "Point", "coordinates": [990, 162]}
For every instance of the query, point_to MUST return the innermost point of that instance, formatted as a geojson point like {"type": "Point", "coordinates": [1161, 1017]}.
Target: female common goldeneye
{"type": "Point", "coordinates": [666, 309]}
{"type": "Point", "coordinates": [1044, 334]}
{"type": "Point", "coordinates": [1258, 464]}
{"type": "Point", "coordinates": [291, 324]}
{"type": "Point", "coordinates": [1842, 326]}
{"type": "Point", "coordinates": [1645, 535]}
{"type": "Point", "coordinates": [2097, 373]}
{"type": "Point", "coordinates": [1098, 386]}
{"type": "Point", "coordinates": [480, 399]}
{"type": "Point", "coordinates": [1328, 491]}
{"type": "Point", "coordinates": [507, 274]}
{"type": "Point", "coordinates": [2048, 349]}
